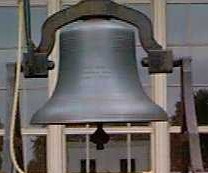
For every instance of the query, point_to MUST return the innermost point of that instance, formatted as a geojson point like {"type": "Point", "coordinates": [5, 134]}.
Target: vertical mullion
{"type": "Point", "coordinates": [129, 150]}
{"type": "Point", "coordinates": [87, 151]}
{"type": "Point", "coordinates": [160, 138]}
{"type": "Point", "coordinates": [56, 143]}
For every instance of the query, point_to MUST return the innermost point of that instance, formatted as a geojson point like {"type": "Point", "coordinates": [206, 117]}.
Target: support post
{"type": "Point", "coordinates": [160, 142]}
{"type": "Point", "coordinates": [56, 147]}
{"type": "Point", "coordinates": [190, 126]}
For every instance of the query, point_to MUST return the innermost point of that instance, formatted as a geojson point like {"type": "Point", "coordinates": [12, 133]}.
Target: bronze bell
{"type": "Point", "coordinates": [98, 78]}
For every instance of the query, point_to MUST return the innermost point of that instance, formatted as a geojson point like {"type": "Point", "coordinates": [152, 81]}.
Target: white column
{"type": "Point", "coordinates": [56, 143]}
{"type": "Point", "coordinates": [160, 143]}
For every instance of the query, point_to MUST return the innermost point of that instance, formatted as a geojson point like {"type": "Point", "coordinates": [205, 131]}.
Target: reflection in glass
{"type": "Point", "coordinates": [8, 45]}
{"type": "Point", "coordinates": [199, 65]}
{"type": "Point", "coordinates": [185, 24]}
{"type": "Point", "coordinates": [141, 152]}
{"type": "Point", "coordinates": [201, 105]}
{"type": "Point", "coordinates": [35, 152]}
{"type": "Point", "coordinates": [1, 148]}
{"type": "Point", "coordinates": [108, 160]}
{"type": "Point", "coordinates": [123, 153]}
{"type": "Point", "coordinates": [180, 152]}
{"type": "Point", "coordinates": [76, 152]}
{"type": "Point", "coordinates": [9, 18]}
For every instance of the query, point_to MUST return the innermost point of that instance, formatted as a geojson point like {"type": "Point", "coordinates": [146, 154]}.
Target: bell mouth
{"type": "Point", "coordinates": [107, 119]}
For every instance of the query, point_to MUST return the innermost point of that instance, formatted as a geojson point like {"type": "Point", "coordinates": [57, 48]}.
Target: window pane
{"type": "Point", "coordinates": [172, 99]}
{"type": "Point", "coordinates": [201, 100]}
{"type": "Point", "coordinates": [8, 53]}
{"type": "Point", "coordinates": [38, 16]}
{"type": "Point", "coordinates": [179, 152]}
{"type": "Point", "coordinates": [185, 24]}
{"type": "Point", "coordinates": [33, 93]}
{"type": "Point", "coordinates": [32, 99]}
{"type": "Point", "coordinates": [35, 154]}
{"type": "Point", "coordinates": [9, 29]}
{"type": "Point", "coordinates": [9, 25]}
{"type": "Point", "coordinates": [108, 160]}
{"type": "Point", "coordinates": [199, 64]}
{"type": "Point", "coordinates": [1, 153]}
{"type": "Point", "coordinates": [124, 165]}
{"type": "Point", "coordinates": [141, 152]}
{"type": "Point", "coordinates": [92, 166]}
{"type": "Point", "coordinates": [176, 22]}
{"type": "Point", "coordinates": [76, 151]}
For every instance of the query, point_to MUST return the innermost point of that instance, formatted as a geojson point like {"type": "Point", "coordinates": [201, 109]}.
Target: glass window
{"type": "Point", "coordinates": [199, 67]}
{"type": "Point", "coordinates": [200, 98]}
{"type": "Point", "coordinates": [114, 156]}
{"type": "Point", "coordinates": [9, 25]}
{"type": "Point", "coordinates": [199, 64]}
{"type": "Point", "coordinates": [92, 166]}
{"type": "Point", "coordinates": [8, 53]}
{"type": "Point", "coordinates": [9, 29]}
{"type": "Point", "coordinates": [186, 24]}
{"type": "Point", "coordinates": [180, 152]}
{"type": "Point", "coordinates": [35, 154]}
{"type": "Point", "coordinates": [124, 167]}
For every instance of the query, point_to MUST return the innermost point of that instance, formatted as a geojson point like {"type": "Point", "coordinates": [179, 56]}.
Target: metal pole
{"type": "Point", "coordinates": [190, 119]}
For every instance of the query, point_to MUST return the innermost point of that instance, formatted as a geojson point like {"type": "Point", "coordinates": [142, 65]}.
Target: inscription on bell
{"type": "Point", "coordinates": [96, 72]}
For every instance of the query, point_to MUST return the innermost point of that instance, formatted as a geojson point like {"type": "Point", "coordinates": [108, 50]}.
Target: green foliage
{"type": "Point", "coordinates": [201, 105]}
{"type": "Point", "coordinates": [38, 163]}
{"type": "Point", "coordinates": [179, 146]}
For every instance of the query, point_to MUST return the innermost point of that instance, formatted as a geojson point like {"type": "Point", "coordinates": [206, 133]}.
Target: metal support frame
{"type": "Point", "coordinates": [36, 64]}
{"type": "Point", "coordinates": [190, 128]}
{"type": "Point", "coordinates": [97, 9]}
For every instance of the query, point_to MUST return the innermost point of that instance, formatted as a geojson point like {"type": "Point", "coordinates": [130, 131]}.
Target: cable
{"type": "Point", "coordinates": [16, 88]}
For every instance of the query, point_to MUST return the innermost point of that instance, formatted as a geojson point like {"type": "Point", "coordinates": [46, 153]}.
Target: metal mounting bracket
{"type": "Point", "coordinates": [99, 9]}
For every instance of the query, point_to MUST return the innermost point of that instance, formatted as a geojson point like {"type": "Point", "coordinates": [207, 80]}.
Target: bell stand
{"type": "Point", "coordinates": [36, 64]}
{"type": "Point", "coordinates": [189, 124]}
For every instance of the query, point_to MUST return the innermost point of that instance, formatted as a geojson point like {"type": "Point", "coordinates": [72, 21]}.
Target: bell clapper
{"type": "Point", "coordinates": [99, 137]}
